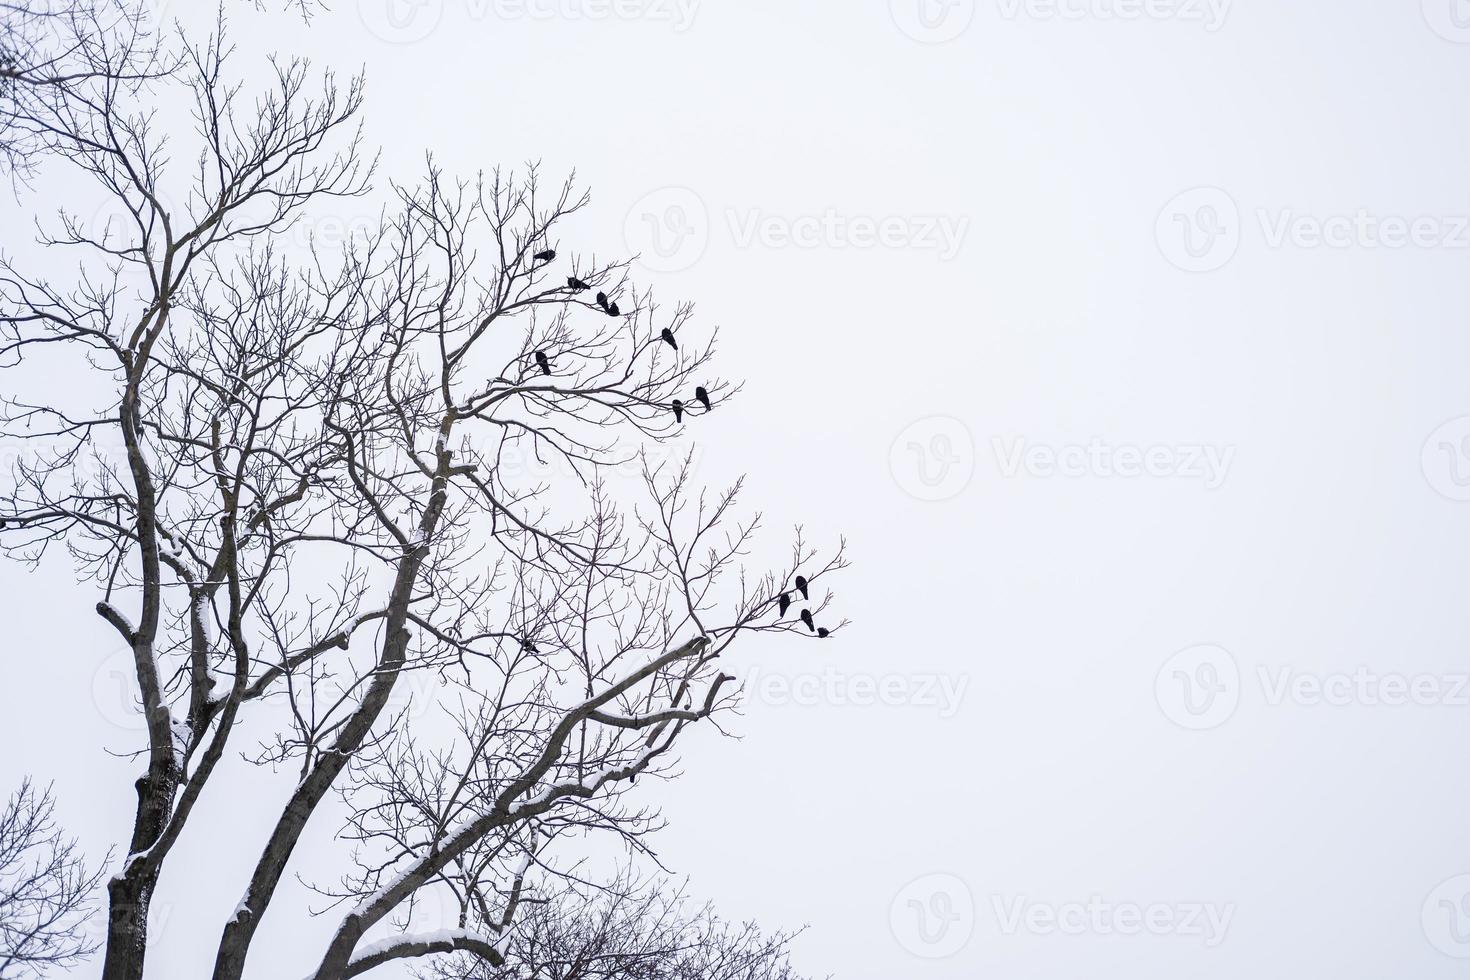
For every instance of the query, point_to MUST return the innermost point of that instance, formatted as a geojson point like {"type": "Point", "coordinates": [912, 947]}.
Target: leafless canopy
{"type": "Point", "coordinates": [627, 930]}
{"type": "Point", "coordinates": [410, 516]}
{"type": "Point", "coordinates": [46, 892]}
{"type": "Point", "coordinates": [55, 51]}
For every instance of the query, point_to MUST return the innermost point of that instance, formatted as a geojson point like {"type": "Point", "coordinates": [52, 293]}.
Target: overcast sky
{"type": "Point", "coordinates": [1125, 340]}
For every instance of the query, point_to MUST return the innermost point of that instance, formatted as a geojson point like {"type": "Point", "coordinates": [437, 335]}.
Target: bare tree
{"type": "Point", "coordinates": [431, 454]}
{"type": "Point", "coordinates": [52, 51]}
{"type": "Point", "coordinates": [46, 892]}
{"type": "Point", "coordinates": [625, 929]}
{"type": "Point", "coordinates": [56, 51]}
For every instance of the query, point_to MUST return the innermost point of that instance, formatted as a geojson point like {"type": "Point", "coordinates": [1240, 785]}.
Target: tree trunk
{"type": "Point", "coordinates": [130, 892]}
{"type": "Point", "coordinates": [129, 895]}
{"type": "Point", "coordinates": [234, 945]}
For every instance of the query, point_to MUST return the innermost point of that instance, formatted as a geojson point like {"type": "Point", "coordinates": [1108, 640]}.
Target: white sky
{"type": "Point", "coordinates": [1053, 140]}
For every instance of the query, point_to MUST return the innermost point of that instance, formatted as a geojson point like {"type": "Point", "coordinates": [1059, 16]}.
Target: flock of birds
{"type": "Point", "coordinates": [701, 395]}
{"type": "Point", "coordinates": [783, 603]}
{"type": "Point", "coordinates": [677, 406]}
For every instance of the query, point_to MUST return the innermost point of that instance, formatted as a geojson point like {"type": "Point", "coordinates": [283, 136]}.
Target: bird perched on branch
{"type": "Point", "coordinates": [602, 300]}
{"type": "Point", "coordinates": [703, 396]}
{"type": "Point", "coordinates": [543, 362]}
{"type": "Point", "coordinates": [612, 310]}
{"type": "Point", "coordinates": [801, 583]}
{"type": "Point", "coordinates": [784, 603]}
{"type": "Point", "coordinates": [806, 617]}
{"type": "Point", "coordinates": [545, 256]}
{"type": "Point", "coordinates": [678, 408]}
{"type": "Point", "coordinates": [574, 283]}
{"type": "Point", "coordinates": [823, 632]}
{"type": "Point", "coordinates": [529, 645]}
{"type": "Point", "coordinates": [668, 338]}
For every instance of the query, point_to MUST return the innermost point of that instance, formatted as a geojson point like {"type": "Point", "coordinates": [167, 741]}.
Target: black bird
{"type": "Point", "coordinates": [612, 310]}
{"type": "Point", "coordinates": [678, 407]}
{"type": "Point", "coordinates": [602, 300]}
{"type": "Point", "coordinates": [542, 362]}
{"type": "Point", "coordinates": [574, 283]}
{"type": "Point", "coordinates": [703, 397]}
{"type": "Point", "coordinates": [668, 338]}
{"type": "Point", "coordinates": [824, 632]}
{"type": "Point", "coordinates": [545, 256]}
{"type": "Point", "coordinates": [784, 603]}
{"type": "Point", "coordinates": [802, 585]}
{"type": "Point", "coordinates": [529, 646]}
{"type": "Point", "coordinates": [806, 617]}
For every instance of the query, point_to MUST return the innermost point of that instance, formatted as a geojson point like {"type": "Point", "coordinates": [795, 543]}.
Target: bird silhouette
{"type": "Point", "coordinates": [801, 584]}
{"type": "Point", "coordinates": [529, 646]}
{"type": "Point", "coordinates": [543, 362]}
{"type": "Point", "coordinates": [574, 283]}
{"type": "Point", "coordinates": [784, 603]}
{"type": "Point", "coordinates": [546, 256]}
{"type": "Point", "coordinates": [806, 617]}
{"type": "Point", "coordinates": [612, 310]}
{"type": "Point", "coordinates": [678, 407]}
{"type": "Point", "coordinates": [824, 632]}
{"type": "Point", "coordinates": [668, 338]}
{"type": "Point", "coordinates": [703, 397]}
{"type": "Point", "coordinates": [602, 300]}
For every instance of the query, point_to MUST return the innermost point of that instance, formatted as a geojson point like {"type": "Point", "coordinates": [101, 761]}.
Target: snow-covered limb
{"type": "Point", "coordinates": [557, 739]}
{"type": "Point", "coordinates": [119, 621]}
{"type": "Point", "coordinates": [589, 786]}
{"type": "Point", "coordinates": [506, 813]}
{"type": "Point", "coordinates": [645, 721]}
{"type": "Point", "coordinates": [583, 788]}
{"type": "Point", "coordinates": [365, 957]}
{"type": "Point", "coordinates": [129, 862]}
{"type": "Point", "coordinates": [338, 639]}
{"type": "Point", "coordinates": [424, 944]}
